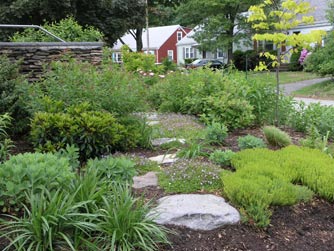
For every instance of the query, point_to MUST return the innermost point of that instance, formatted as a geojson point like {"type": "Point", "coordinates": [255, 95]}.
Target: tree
{"type": "Point", "coordinates": [273, 20]}
{"type": "Point", "coordinates": [112, 17]}
{"type": "Point", "coordinates": [217, 20]}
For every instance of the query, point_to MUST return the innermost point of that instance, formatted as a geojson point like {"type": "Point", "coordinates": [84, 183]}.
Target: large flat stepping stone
{"type": "Point", "coordinates": [195, 211]}
{"type": "Point", "coordinates": [164, 159]}
{"type": "Point", "coordinates": [161, 141]}
{"type": "Point", "coordinates": [149, 179]}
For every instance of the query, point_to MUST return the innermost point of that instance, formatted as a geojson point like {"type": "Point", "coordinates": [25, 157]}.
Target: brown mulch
{"type": "Point", "coordinates": [304, 227]}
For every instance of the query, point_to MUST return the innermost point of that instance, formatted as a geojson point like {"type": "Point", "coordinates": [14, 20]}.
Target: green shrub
{"type": "Point", "coordinates": [250, 141]}
{"type": "Point", "coordinates": [216, 133]}
{"type": "Point", "coordinates": [67, 29]}
{"type": "Point", "coordinates": [72, 83]}
{"type": "Point", "coordinates": [265, 178]}
{"type": "Point", "coordinates": [134, 61]}
{"type": "Point", "coordinates": [276, 137]}
{"type": "Point", "coordinates": [120, 170]}
{"type": "Point", "coordinates": [12, 93]}
{"type": "Point", "coordinates": [294, 64]}
{"type": "Point", "coordinates": [94, 133]}
{"type": "Point", "coordinates": [5, 141]}
{"type": "Point", "coordinates": [188, 176]}
{"type": "Point", "coordinates": [222, 158]}
{"type": "Point", "coordinates": [28, 173]}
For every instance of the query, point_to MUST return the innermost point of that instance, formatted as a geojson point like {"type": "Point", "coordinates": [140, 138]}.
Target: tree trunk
{"type": "Point", "coordinates": [139, 40]}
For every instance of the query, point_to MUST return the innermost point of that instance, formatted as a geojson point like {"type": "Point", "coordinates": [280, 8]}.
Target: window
{"type": "Point", "coordinates": [220, 53]}
{"type": "Point", "coordinates": [179, 35]}
{"type": "Point", "coordinates": [265, 45]}
{"type": "Point", "coordinates": [117, 57]}
{"type": "Point", "coordinates": [189, 52]}
{"type": "Point", "coordinates": [170, 54]}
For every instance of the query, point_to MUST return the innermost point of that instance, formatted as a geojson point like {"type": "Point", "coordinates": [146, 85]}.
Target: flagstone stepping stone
{"type": "Point", "coordinates": [195, 211]}
{"type": "Point", "coordinates": [161, 141]}
{"type": "Point", "coordinates": [153, 122]}
{"type": "Point", "coordinates": [164, 159]}
{"type": "Point", "coordinates": [149, 179]}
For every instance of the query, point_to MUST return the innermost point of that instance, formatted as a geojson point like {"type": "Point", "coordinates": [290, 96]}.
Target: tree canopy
{"type": "Point", "coordinates": [217, 20]}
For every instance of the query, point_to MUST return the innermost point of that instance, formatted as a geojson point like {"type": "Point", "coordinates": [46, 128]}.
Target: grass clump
{"type": "Point", "coordinates": [188, 176]}
{"type": "Point", "coordinates": [250, 141]}
{"type": "Point", "coordinates": [276, 137]}
{"type": "Point", "coordinates": [264, 178]}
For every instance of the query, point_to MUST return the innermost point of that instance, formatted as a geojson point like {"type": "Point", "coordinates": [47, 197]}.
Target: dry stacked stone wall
{"type": "Point", "coordinates": [34, 56]}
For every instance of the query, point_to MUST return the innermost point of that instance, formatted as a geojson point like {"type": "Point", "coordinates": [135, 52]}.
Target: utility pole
{"type": "Point", "coordinates": [147, 32]}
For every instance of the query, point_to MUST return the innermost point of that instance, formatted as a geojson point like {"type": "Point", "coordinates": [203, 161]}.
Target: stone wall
{"type": "Point", "coordinates": [35, 55]}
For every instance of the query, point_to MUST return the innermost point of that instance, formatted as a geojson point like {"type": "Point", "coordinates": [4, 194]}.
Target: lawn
{"type": "Point", "coordinates": [323, 90]}
{"type": "Point", "coordinates": [285, 77]}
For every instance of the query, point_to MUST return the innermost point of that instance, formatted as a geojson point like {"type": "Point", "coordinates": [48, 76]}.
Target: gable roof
{"type": "Point", "coordinates": [157, 37]}
{"type": "Point", "coordinates": [321, 6]}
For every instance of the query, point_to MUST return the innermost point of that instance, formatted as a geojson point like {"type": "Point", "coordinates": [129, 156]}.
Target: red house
{"type": "Point", "coordinates": [162, 42]}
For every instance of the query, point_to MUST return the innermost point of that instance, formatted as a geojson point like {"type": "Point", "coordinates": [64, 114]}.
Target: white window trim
{"type": "Point", "coordinates": [189, 52]}
{"type": "Point", "coordinates": [170, 55]}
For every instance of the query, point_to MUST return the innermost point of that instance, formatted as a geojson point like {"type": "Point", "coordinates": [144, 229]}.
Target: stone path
{"type": "Point", "coordinates": [196, 211]}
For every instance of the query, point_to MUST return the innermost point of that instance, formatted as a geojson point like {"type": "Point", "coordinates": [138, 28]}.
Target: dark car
{"type": "Point", "coordinates": [211, 63]}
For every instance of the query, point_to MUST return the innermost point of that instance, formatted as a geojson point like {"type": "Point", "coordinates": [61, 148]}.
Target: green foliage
{"type": "Point", "coordinates": [94, 133]}
{"type": "Point", "coordinates": [276, 137]}
{"type": "Point", "coordinates": [314, 115]}
{"type": "Point", "coordinates": [265, 178]}
{"type": "Point", "coordinates": [216, 133]}
{"type": "Point", "coordinates": [240, 58]}
{"type": "Point", "coordinates": [223, 98]}
{"type": "Point", "coordinates": [168, 65]}
{"type": "Point", "coordinates": [71, 83]}
{"type": "Point", "coordinates": [67, 29]}
{"type": "Point", "coordinates": [193, 149]}
{"type": "Point", "coordinates": [294, 64]}
{"type": "Point", "coordinates": [321, 60]}
{"type": "Point", "coordinates": [11, 94]}
{"type": "Point", "coordinates": [117, 170]}
{"type": "Point", "coordinates": [134, 61]}
{"type": "Point", "coordinates": [28, 173]}
{"type": "Point", "coordinates": [317, 141]}
{"type": "Point", "coordinates": [125, 223]}
{"type": "Point", "coordinates": [250, 141]}
{"type": "Point", "coordinates": [222, 158]}
{"type": "Point", "coordinates": [5, 141]}
{"type": "Point", "coordinates": [188, 176]}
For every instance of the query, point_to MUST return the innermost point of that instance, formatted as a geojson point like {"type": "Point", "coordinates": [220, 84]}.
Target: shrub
{"type": "Point", "coordinates": [265, 178]}
{"type": "Point", "coordinates": [222, 158]}
{"type": "Point", "coordinates": [72, 83]}
{"type": "Point", "coordinates": [216, 133]}
{"type": "Point", "coordinates": [188, 176]}
{"type": "Point", "coordinates": [120, 170]}
{"type": "Point", "coordinates": [5, 142]}
{"type": "Point", "coordinates": [294, 64]}
{"type": "Point", "coordinates": [250, 141]}
{"type": "Point", "coordinates": [134, 61]}
{"type": "Point", "coordinates": [11, 94]}
{"type": "Point", "coordinates": [68, 29]}
{"type": "Point", "coordinates": [94, 133]}
{"type": "Point", "coordinates": [276, 137]}
{"type": "Point", "coordinates": [28, 173]}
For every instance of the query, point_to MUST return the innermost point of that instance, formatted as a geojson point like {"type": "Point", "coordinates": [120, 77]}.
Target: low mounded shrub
{"type": "Point", "coordinates": [276, 137]}
{"type": "Point", "coordinates": [94, 133]}
{"type": "Point", "coordinates": [216, 133]}
{"type": "Point", "coordinates": [28, 173]}
{"type": "Point", "coordinates": [266, 177]}
{"type": "Point", "coordinates": [222, 158]}
{"type": "Point", "coordinates": [250, 141]}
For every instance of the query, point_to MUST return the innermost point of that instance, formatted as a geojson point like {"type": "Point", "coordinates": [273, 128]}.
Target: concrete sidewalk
{"type": "Point", "coordinates": [287, 89]}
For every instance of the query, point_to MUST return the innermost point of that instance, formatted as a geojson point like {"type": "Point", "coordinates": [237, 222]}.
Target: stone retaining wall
{"type": "Point", "coordinates": [35, 55]}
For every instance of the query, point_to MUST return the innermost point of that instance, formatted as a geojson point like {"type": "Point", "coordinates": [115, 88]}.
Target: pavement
{"type": "Point", "coordinates": [288, 89]}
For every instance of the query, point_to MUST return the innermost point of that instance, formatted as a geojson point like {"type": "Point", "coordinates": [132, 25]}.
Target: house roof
{"type": "Point", "coordinates": [189, 38]}
{"type": "Point", "coordinates": [157, 37]}
{"type": "Point", "coordinates": [321, 7]}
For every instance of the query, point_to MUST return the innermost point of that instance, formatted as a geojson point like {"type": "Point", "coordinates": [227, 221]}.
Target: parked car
{"type": "Point", "coordinates": [211, 63]}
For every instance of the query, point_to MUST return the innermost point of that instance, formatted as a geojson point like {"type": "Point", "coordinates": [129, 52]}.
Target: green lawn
{"type": "Point", "coordinates": [285, 77]}
{"type": "Point", "coordinates": [323, 90]}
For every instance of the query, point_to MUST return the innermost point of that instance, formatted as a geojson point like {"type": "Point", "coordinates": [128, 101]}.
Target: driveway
{"type": "Point", "coordinates": [287, 89]}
